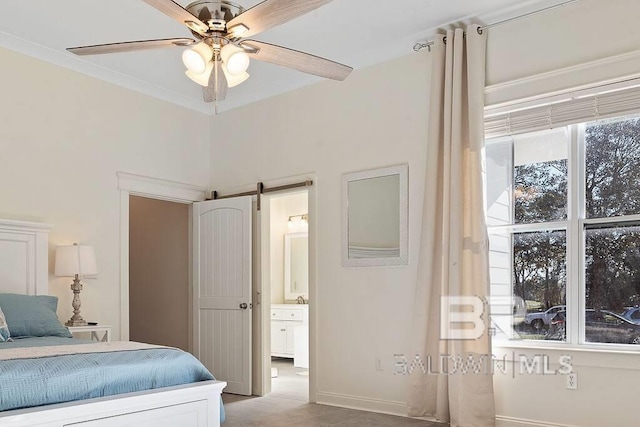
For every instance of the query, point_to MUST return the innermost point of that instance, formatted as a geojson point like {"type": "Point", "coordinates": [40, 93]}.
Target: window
{"type": "Point", "coordinates": [563, 211]}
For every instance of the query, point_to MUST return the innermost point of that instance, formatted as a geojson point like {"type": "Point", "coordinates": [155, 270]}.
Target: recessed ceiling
{"type": "Point", "coordinates": [358, 33]}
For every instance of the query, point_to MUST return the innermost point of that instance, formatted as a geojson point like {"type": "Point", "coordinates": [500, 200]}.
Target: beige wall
{"type": "Point", "coordinates": [376, 118]}
{"type": "Point", "coordinates": [159, 289]}
{"type": "Point", "coordinates": [63, 137]}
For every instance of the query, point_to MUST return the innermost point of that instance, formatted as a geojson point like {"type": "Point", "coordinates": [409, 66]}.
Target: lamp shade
{"type": "Point", "coordinates": [196, 58]}
{"type": "Point", "coordinates": [203, 78]}
{"type": "Point", "coordinates": [75, 259]}
{"type": "Point", "coordinates": [232, 80]}
{"type": "Point", "coordinates": [235, 58]}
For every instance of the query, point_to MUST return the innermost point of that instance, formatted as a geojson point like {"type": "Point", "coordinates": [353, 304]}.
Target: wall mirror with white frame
{"type": "Point", "coordinates": [296, 266]}
{"type": "Point", "coordinates": [374, 212]}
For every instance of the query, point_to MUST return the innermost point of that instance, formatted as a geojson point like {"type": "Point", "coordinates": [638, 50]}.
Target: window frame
{"type": "Point", "coordinates": [575, 227]}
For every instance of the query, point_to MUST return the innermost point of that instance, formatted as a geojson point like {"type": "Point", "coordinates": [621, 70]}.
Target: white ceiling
{"type": "Point", "coordinates": [358, 33]}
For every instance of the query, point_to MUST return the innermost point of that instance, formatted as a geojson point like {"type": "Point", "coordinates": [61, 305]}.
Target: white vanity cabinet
{"type": "Point", "coordinates": [290, 322]}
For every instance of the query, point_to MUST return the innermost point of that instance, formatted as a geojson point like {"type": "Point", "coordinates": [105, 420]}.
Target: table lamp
{"type": "Point", "coordinates": [75, 261]}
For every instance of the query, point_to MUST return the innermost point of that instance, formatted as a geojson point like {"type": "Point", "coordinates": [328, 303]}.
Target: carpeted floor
{"type": "Point", "coordinates": [288, 406]}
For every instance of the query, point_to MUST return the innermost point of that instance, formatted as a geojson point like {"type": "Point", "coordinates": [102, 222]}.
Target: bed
{"type": "Point", "coordinates": [49, 379]}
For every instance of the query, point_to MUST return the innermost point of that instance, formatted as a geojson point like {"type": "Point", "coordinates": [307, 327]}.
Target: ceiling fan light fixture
{"type": "Point", "coordinates": [234, 80]}
{"type": "Point", "coordinates": [201, 78]}
{"type": "Point", "coordinates": [219, 54]}
{"type": "Point", "coordinates": [235, 58]}
{"type": "Point", "coordinates": [197, 58]}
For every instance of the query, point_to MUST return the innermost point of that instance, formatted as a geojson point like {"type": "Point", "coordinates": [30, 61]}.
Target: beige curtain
{"type": "Point", "coordinates": [453, 257]}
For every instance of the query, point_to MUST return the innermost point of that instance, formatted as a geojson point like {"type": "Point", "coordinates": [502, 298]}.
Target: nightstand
{"type": "Point", "coordinates": [94, 330]}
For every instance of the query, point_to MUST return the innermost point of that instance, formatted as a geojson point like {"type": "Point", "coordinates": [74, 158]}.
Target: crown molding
{"type": "Point", "coordinates": [74, 63]}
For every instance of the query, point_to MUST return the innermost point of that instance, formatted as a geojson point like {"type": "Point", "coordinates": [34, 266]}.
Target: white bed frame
{"type": "Point", "coordinates": [24, 270]}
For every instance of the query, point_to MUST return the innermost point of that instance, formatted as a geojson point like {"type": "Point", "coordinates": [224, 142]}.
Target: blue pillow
{"type": "Point", "coordinates": [32, 316]}
{"type": "Point", "coordinates": [4, 329]}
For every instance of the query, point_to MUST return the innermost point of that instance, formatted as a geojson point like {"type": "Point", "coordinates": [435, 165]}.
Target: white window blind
{"type": "Point", "coordinates": [552, 115]}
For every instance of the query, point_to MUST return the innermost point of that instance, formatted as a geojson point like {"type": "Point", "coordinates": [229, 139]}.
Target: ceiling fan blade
{"type": "Point", "coordinates": [297, 60]}
{"type": "Point", "coordinates": [212, 91]}
{"type": "Point", "coordinates": [129, 46]}
{"type": "Point", "coordinates": [180, 14]}
{"type": "Point", "coordinates": [270, 13]}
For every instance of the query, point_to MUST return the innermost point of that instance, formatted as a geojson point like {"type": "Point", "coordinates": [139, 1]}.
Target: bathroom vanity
{"type": "Point", "coordinates": [290, 333]}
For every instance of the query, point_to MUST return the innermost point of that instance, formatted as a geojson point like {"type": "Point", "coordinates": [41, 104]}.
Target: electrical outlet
{"type": "Point", "coordinates": [572, 381]}
{"type": "Point", "coordinates": [379, 364]}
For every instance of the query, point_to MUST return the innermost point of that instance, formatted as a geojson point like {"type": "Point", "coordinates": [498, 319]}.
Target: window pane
{"type": "Point", "coordinates": [539, 278]}
{"type": "Point", "coordinates": [612, 149]}
{"type": "Point", "coordinates": [612, 278]}
{"type": "Point", "coordinates": [540, 176]}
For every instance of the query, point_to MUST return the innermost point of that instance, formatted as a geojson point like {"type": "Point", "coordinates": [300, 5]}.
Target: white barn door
{"type": "Point", "coordinates": [222, 290]}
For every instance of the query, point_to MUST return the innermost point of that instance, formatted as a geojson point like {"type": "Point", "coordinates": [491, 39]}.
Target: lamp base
{"type": "Point", "coordinates": [75, 323]}
{"type": "Point", "coordinates": [76, 319]}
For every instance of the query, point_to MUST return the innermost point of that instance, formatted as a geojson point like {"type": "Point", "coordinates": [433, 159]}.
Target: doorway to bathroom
{"type": "Point", "coordinates": [285, 267]}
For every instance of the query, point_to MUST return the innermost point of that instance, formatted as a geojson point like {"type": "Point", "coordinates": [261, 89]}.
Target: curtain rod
{"type": "Point", "coordinates": [427, 45]}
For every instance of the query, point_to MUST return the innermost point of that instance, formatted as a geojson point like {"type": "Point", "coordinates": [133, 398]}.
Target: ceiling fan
{"type": "Point", "coordinates": [219, 57]}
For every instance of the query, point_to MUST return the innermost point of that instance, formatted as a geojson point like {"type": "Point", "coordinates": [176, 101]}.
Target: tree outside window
{"type": "Point", "coordinates": [530, 180]}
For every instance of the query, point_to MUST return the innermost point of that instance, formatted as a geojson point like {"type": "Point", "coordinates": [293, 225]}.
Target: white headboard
{"type": "Point", "coordinates": [24, 257]}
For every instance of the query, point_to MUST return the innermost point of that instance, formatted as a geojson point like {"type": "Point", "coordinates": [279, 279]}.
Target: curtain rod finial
{"type": "Point", "coordinates": [422, 45]}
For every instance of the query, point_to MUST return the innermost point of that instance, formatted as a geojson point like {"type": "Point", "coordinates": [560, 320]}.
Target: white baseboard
{"type": "Point", "coordinates": [502, 421]}
{"type": "Point", "coordinates": [400, 409]}
{"type": "Point", "coordinates": [362, 403]}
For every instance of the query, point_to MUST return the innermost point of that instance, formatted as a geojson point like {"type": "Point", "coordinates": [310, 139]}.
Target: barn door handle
{"type": "Point", "coordinates": [244, 306]}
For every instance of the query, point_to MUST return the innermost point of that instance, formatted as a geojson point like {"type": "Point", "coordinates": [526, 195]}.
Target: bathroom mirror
{"type": "Point", "coordinates": [374, 204]}
{"type": "Point", "coordinates": [296, 266]}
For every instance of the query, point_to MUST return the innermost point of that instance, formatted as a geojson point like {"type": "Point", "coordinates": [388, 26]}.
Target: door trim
{"type": "Point", "coordinates": [152, 188]}
{"type": "Point", "coordinates": [265, 361]}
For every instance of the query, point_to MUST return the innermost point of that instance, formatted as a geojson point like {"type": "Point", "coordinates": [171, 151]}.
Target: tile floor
{"type": "Point", "coordinates": [291, 382]}
{"type": "Point", "coordinates": [288, 406]}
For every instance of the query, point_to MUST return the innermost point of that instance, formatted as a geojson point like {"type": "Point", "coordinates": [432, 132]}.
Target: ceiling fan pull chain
{"type": "Point", "coordinates": [216, 83]}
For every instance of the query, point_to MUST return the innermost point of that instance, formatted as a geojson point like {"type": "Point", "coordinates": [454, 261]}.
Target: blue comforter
{"type": "Point", "coordinates": [43, 381]}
